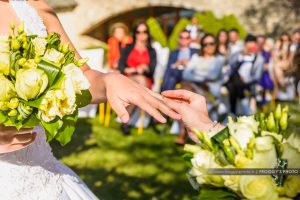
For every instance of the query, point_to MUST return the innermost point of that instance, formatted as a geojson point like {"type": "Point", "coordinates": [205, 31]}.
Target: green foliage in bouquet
{"type": "Point", "coordinates": [264, 141]}
{"type": "Point", "coordinates": [156, 31]}
{"type": "Point", "coordinates": [41, 84]}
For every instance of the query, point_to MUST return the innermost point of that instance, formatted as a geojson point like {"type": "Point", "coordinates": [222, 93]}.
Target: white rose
{"type": "Point", "coordinates": [294, 141]}
{"type": "Point", "coordinates": [202, 161]}
{"type": "Point", "coordinates": [264, 154]}
{"type": "Point", "coordinates": [54, 56]}
{"type": "Point", "coordinates": [292, 155]}
{"type": "Point", "coordinates": [250, 121]}
{"type": "Point", "coordinates": [30, 83]}
{"type": "Point", "coordinates": [258, 187]}
{"type": "Point", "coordinates": [39, 45]}
{"type": "Point", "coordinates": [242, 133]}
{"type": "Point", "coordinates": [79, 81]}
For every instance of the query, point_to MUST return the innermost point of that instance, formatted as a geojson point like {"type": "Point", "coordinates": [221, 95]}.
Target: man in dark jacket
{"type": "Point", "coordinates": [177, 61]}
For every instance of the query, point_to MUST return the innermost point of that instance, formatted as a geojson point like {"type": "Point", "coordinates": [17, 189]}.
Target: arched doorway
{"type": "Point", "coordinates": [166, 16]}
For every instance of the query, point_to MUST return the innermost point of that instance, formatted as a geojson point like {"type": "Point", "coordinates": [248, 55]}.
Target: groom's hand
{"type": "Point", "coordinates": [121, 92]}
{"type": "Point", "coordinates": [192, 108]}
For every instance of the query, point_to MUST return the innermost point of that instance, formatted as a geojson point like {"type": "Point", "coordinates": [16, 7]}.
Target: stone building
{"type": "Point", "coordinates": [91, 18]}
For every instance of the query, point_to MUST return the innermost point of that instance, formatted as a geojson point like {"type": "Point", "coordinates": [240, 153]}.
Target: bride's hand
{"type": "Point", "coordinates": [11, 139]}
{"type": "Point", "coordinates": [192, 108]}
{"type": "Point", "coordinates": [121, 92]}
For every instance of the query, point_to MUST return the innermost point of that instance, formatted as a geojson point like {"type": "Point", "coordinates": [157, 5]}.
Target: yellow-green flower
{"type": "Point", "coordinates": [54, 56]}
{"type": "Point", "coordinates": [58, 102]}
{"type": "Point", "coordinates": [79, 81]}
{"type": "Point", "coordinates": [258, 187]}
{"type": "Point", "coordinates": [39, 45]}
{"type": "Point", "coordinates": [30, 83]}
{"type": "Point", "coordinates": [7, 89]}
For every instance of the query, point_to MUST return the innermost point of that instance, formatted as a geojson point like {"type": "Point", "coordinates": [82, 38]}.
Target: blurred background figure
{"type": "Point", "coordinates": [138, 61]}
{"type": "Point", "coordinates": [203, 74]}
{"type": "Point", "coordinates": [196, 33]}
{"type": "Point", "coordinates": [266, 83]}
{"type": "Point", "coordinates": [116, 43]}
{"type": "Point", "coordinates": [222, 42]}
{"type": "Point", "coordinates": [295, 41]}
{"type": "Point", "coordinates": [178, 60]}
{"type": "Point", "coordinates": [246, 70]}
{"type": "Point", "coordinates": [235, 44]}
{"type": "Point", "coordinates": [284, 89]}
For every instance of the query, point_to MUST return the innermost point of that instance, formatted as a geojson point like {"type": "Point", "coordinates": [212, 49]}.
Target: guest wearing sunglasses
{"type": "Point", "coordinates": [206, 67]}
{"type": "Point", "coordinates": [203, 72]}
{"type": "Point", "coordinates": [138, 60]}
{"type": "Point", "coordinates": [177, 61]}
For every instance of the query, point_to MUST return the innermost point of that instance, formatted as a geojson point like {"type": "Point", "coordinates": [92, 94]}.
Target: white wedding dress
{"type": "Point", "coordinates": [33, 173]}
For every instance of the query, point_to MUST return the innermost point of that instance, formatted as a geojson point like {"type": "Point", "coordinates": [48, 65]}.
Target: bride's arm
{"type": "Point", "coordinates": [116, 88]}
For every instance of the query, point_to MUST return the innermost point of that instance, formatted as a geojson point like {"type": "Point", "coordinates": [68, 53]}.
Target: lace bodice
{"type": "Point", "coordinates": [33, 23]}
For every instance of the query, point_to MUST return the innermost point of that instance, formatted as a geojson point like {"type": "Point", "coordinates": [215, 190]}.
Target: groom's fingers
{"type": "Point", "coordinates": [175, 105]}
{"type": "Point", "coordinates": [160, 105]}
{"type": "Point", "coordinates": [119, 107]}
{"type": "Point", "coordinates": [179, 94]}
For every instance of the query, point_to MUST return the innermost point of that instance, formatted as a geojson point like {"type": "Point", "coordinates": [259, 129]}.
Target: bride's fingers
{"type": "Point", "coordinates": [119, 107]}
{"type": "Point", "coordinates": [150, 107]}
{"type": "Point", "coordinates": [156, 95]}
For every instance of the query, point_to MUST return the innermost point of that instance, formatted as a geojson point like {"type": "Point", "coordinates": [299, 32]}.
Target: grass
{"type": "Point", "coordinates": [115, 167]}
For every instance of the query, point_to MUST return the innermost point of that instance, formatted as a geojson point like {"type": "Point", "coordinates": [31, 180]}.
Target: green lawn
{"type": "Point", "coordinates": [115, 167]}
{"type": "Point", "coordinates": [118, 167]}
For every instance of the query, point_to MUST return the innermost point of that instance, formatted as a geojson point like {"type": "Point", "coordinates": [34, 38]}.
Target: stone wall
{"type": "Point", "coordinates": [258, 16]}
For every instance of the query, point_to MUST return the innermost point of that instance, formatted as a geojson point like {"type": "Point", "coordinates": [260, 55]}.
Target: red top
{"type": "Point", "coordinates": [137, 58]}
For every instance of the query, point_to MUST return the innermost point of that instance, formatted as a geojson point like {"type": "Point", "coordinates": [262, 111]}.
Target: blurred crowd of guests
{"type": "Point", "coordinates": [236, 76]}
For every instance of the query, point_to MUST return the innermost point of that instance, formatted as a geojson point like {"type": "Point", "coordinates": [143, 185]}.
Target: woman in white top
{"type": "Point", "coordinates": [28, 170]}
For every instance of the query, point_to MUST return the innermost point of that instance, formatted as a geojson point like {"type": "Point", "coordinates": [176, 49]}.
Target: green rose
{"type": "Point", "coordinates": [258, 187]}
{"type": "Point", "coordinates": [30, 83]}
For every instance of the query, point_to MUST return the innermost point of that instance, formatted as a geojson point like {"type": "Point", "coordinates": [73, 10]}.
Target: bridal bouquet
{"type": "Point", "coordinates": [255, 157]}
{"type": "Point", "coordinates": [41, 84]}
